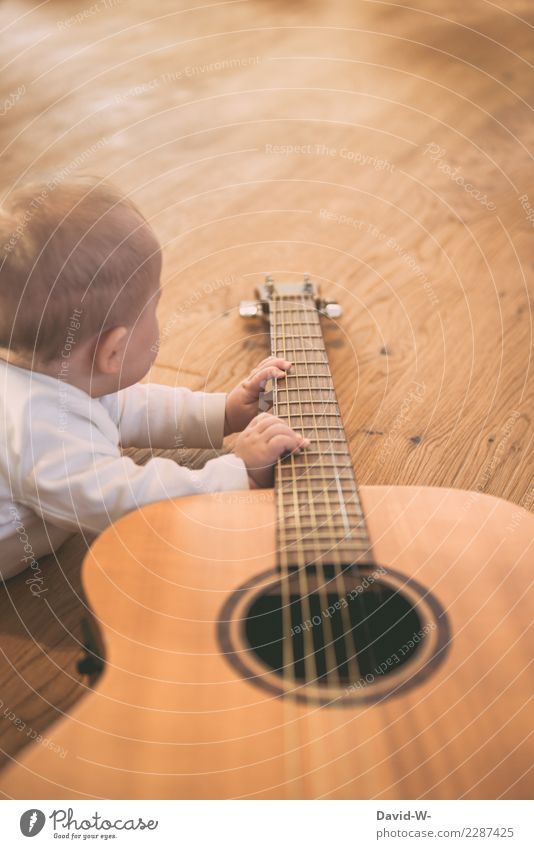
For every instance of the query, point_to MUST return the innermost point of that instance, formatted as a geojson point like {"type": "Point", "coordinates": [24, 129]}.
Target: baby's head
{"type": "Point", "coordinates": [79, 284]}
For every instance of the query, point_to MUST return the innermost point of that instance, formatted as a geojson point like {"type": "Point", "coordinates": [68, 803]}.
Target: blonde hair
{"type": "Point", "coordinates": [73, 248]}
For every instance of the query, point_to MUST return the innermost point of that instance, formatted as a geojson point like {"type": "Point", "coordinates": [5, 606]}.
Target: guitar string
{"type": "Point", "coordinates": [288, 652]}
{"type": "Point", "coordinates": [309, 487]}
{"type": "Point", "coordinates": [291, 746]}
{"type": "Point", "coordinates": [301, 561]}
{"type": "Point", "coordinates": [348, 633]}
{"type": "Point", "coordinates": [317, 736]}
{"type": "Point", "coordinates": [354, 501]}
{"type": "Point", "coordinates": [362, 525]}
{"type": "Point", "coordinates": [339, 579]}
{"type": "Point", "coordinates": [330, 643]}
{"type": "Point", "coordinates": [329, 647]}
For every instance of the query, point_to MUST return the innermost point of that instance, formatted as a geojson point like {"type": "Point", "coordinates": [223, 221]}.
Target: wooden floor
{"type": "Point", "coordinates": [383, 148]}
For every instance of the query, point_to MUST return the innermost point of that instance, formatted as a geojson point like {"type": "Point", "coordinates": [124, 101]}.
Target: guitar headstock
{"type": "Point", "coordinates": [269, 290]}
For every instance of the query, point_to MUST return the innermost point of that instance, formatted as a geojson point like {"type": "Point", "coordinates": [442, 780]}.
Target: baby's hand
{"type": "Point", "coordinates": [242, 402]}
{"type": "Point", "coordinates": [262, 443]}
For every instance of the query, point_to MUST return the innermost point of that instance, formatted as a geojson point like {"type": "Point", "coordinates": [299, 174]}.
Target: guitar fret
{"type": "Point", "coordinates": [325, 549]}
{"type": "Point", "coordinates": [327, 440]}
{"type": "Point", "coordinates": [322, 514]}
{"type": "Point", "coordinates": [306, 393]}
{"type": "Point", "coordinates": [323, 499]}
{"type": "Point", "coordinates": [292, 536]}
{"type": "Point", "coordinates": [303, 382]}
{"type": "Point", "coordinates": [319, 485]}
{"type": "Point", "coordinates": [314, 399]}
{"type": "Point", "coordinates": [343, 477]}
{"type": "Point", "coordinates": [282, 409]}
{"type": "Point", "coordinates": [325, 490]}
{"type": "Point", "coordinates": [313, 412]}
{"type": "Point", "coordinates": [316, 432]}
{"type": "Point", "coordinates": [301, 374]}
{"type": "Point", "coordinates": [304, 328]}
{"type": "Point", "coordinates": [324, 506]}
{"type": "Point", "coordinates": [337, 453]}
{"type": "Point", "coordinates": [293, 349]}
{"type": "Point", "coordinates": [302, 524]}
{"type": "Point", "coordinates": [316, 513]}
{"type": "Point", "coordinates": [327, 528]}
{"type": "Point", "coordinates": [299, 462]}
{"type": "Point", "coordinates": [320, 423]}
{"type": "Point", "coordinates": [312, 362]}
{"type": "Point", "coordinates": [336, 555]}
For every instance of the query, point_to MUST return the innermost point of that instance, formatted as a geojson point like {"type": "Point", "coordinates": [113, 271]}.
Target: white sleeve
{"type": "Point", "coordinates": [157, 416]}
{"type": "Point", "coordinates": [78, 480]}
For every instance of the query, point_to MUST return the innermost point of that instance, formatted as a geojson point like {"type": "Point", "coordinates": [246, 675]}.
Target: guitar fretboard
{"type": "Point", "coordinates": [320, 517]}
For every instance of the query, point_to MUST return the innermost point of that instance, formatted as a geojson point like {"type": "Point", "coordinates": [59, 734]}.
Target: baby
{"type": "Point", "coordinates": [79, 286]}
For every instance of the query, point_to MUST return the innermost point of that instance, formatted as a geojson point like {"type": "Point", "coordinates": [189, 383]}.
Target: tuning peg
{"type": "Point", "coordinates": [308, 285]}
{"type": "Point", "coordinates": [269, 285]}
{"type": "Point", "coordinates": [331, 309]}
{"type": "Point", "coordinates": [250, 309]}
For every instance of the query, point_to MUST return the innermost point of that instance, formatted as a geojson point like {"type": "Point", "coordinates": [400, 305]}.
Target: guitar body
{"type": "Point", "coordinates": [176, 715]}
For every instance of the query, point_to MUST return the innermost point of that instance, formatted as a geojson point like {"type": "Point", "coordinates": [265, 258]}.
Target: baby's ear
{"type": "Point", "coordinates": [109, 351]}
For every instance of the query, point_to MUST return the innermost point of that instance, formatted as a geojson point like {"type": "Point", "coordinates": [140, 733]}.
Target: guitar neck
{"type": "Point", "coordinates": [320, 517]}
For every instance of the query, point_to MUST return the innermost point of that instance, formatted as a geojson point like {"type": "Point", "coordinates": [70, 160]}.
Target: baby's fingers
{"type": "Point", "coordinates": [279, 427]}
{"type": "Point", "coordinates": [257, 381]}
{"type": "Point", "coordinates": [278, 362]}
{"type": "Point", "coordinates": [264, 420]}
{"type": "Point", "coordinates": [285, 443]}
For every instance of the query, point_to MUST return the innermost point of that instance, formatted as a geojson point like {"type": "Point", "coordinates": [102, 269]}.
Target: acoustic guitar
{"type": "Point", "coordinates": [312, 641]}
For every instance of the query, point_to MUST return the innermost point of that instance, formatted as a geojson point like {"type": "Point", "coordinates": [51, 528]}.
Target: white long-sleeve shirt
{"type": "Point", "coordinates": [61, 467]}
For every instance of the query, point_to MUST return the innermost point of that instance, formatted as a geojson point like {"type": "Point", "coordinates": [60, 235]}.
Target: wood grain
{"type": "Point", "coordinates": [183, 106]}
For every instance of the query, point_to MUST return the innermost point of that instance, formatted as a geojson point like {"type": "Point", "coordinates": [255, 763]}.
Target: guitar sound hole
{"type": "Point", "coordinates": [326, 637]}
{"type": "Point", "coordinates": [334, 636]}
